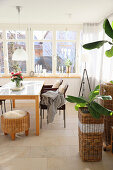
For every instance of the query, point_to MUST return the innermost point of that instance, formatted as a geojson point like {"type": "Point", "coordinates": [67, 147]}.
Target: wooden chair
{"type": "Point", "coordinates": [48, 87]}
{"type": "Point", "coordinates": [63, 108]}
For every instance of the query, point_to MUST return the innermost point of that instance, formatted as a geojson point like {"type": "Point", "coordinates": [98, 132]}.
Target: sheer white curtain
{"type": "Point", "coordinates": [107, 69]}
{"type": "Point", "coordinates": [100, 67]}
{"type": "Point", "coordinates": [91, 33]}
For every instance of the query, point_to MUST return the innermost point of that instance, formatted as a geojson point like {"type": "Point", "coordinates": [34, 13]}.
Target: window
{"type": "Point", "coordinates": [66, 49]}
{"type": "Point", "coordinates": [48, 48]}
{"type": "Point", "coordinates": [42, 51]}
{"type": "Point", "coordinates": [15, 39]}
{"type": "Point", "coordinates": [1, 53]}
{"type": "Point", "coordinates": [12, 46]}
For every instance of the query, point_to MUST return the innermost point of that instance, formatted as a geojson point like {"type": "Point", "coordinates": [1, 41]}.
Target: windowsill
{"type": "Point", "coordinates": [49, 76]}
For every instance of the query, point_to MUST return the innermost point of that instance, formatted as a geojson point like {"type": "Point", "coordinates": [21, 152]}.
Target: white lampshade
{"type": "Point", "coordinates": [19, 55]}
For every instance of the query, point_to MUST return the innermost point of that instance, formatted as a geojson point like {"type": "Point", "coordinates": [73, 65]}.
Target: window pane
{"type": "Point", "coordinates": [12, 46]}
{"type": "Point", "coordinates": [65, 35]}
{"type": "Point", "coordinates": [1, 58]}
{"type": "Point", "coordinates": [15, 34]}
{"type": "Point", "coordinates": [1, 36]}
{"type": "Point", "coordinates": [42, 35]}
{"type": "Point", "coordinates": [66, 50]}
{"type": "Point", "coordinates": [43, 55]}
{"type": "Point", "coordinates": [20, 34]}
{"type": "Point", "coordinates": [11, 34]}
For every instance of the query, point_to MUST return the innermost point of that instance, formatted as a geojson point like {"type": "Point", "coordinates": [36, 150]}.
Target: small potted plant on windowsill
{"type": "Point", "coordinates": [68, 64]}
{"type": "Point", "coordinates": [90, 125]}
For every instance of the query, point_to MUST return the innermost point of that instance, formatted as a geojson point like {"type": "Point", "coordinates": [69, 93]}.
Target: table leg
{"type": "Point", "coordinates": [37, 114]}
{"type": "Point", "coordinates": [13, 103]}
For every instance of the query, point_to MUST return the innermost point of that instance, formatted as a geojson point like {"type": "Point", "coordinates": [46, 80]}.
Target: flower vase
{"type": "Point", "coordinates": [68, 70]}
{"type": "Point", "coordinates": [18, 84]}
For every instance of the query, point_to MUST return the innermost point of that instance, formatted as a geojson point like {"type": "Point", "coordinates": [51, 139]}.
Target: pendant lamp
{"type": "Point", "coordinates": [19, 54]}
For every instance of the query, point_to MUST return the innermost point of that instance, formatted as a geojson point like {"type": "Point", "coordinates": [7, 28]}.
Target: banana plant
{"type": "Point", "coordinates": [108, 28]}
{"type": "Point", "coordinates": [95, 109]}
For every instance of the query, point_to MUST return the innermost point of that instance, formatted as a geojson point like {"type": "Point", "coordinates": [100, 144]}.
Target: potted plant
{"type": "Point", "coordinates": [106, 88]}
{"type": "Point", "coordinates": [90, 124]}
{"type": "Point", "coordinates": [68, 64]}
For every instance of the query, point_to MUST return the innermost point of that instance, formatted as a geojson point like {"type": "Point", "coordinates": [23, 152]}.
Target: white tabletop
{"type": "Point", "coordinates": [30, 88]}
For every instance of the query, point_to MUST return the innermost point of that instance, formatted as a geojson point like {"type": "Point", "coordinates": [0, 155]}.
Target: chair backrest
{"type": "Point", "coordinates": [57, 83]}
{"type": "Point", "coordinates": [66, 89]}
{"type": "Point", "coordinates": [63, 88]}
{"type": "Point", "coordinates": [61, 81]}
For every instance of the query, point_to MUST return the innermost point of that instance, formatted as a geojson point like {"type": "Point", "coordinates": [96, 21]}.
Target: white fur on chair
{"type": "Point", "coordinates": [56, 84]}
{"type": "Point", "coordinates": [15, 114]}
{"type": "Point", "coordinates": [62, 89]}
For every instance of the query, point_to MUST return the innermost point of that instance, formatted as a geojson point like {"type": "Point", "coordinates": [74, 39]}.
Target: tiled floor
{"type": "Point", "coordinates": [55, 149]}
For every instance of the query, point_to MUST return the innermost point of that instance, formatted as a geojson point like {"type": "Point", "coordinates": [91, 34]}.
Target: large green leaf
{"type": "Point", "coordinates": [108, 29]}
{"type": "Point", "coordinates": [73, 99]}
{"type": "Point", "coordinates": [80, 105]}
{"type": "Point", "coordinates": [97, 88]}
{"type": "Point", "coordinates": [109, 53]}
{"type": "Point", "coordinates": [100, 109]}
{"type": "Point", "coordinates": [111, 81]}
{"type": "Point", "coordinates": [94, 113]}
{"type": "Point", "coordinates": [69, 100]}
{"type": "Point", "coordinates": [94, 45]}
{"type": "Point", "coordinates": [112, 25]}
{"type": "Point", "coordinates": [93, 94]}
{"type": "Point", "coordinates": [105, 97]}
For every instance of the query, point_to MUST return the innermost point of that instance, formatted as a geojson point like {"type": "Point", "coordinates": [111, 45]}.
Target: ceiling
{"type": "Point", "coordinates": [55, 11]}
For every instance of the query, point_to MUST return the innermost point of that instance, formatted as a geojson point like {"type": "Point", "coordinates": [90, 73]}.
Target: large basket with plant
{"type": "Point", "coordinates": [107, 89]}
{"type": "Point", "coordinates": [90, 124]}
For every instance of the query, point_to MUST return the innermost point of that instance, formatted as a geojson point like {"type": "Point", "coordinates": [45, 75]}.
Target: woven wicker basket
{"type": "Point", "coordinates": [13, 126]}
{"type": "Point", "coordinates": [90, 136]}
{"type": "Point", "coordinates": [107, 89]}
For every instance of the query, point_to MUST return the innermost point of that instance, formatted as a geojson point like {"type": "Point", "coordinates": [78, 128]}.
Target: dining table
{"type": "Point", "coordinates": [31, 90]}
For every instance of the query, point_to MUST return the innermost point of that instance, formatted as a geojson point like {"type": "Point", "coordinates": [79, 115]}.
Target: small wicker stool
{"type": "Point", "coordinates": [16, 121]}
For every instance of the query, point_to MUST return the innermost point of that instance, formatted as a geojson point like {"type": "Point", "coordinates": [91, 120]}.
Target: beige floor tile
{"type": "Point", "coordinates": [68, 163]}
{"type": "Point", "coordinates": [49, 151]}
{"type": "Point", "coordinates": [10, 153]}
{"type": "Point", "coordinates": [26, 164]}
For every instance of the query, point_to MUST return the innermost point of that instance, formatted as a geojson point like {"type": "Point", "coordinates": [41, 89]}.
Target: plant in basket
{"type": "Point", "coordinates": [106, 88]}
{"type": "Point", "coordinates": [90, 124]}
{"type": "Point", "coordinates": [94, 108]}
{"type": "Point", "coordinates": [17, 78]}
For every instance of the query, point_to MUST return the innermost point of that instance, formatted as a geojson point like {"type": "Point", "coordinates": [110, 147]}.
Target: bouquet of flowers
{"type": "Point", "coordinates": [17, 77]}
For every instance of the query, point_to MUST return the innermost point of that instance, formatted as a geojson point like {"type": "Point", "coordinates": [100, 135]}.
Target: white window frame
{"type": "Point", "coordinates": [29, 28]}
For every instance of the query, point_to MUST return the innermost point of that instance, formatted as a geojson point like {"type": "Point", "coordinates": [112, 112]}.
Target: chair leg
{"type": "Point", "coordinates": [64, 119]}
{"type": "Point", "coordinates": [4, 106]}
{"type": "Point", "coordinates": [43, 113]}
{"type": "Point", "coordinates": [13, 136]}
{"type": "Point", "coordinates": [1, 108]}
{"type": "Point", "coordinates": [11, 105]}
{"type": "Point", "coordinates": [27, 132]}
{"type": "Point", "coordinates": [40, 118]}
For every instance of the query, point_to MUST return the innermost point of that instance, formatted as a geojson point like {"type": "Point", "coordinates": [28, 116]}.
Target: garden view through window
{"type": "Point", "coordinates": [43, 51]}
{"type": "Point", "coordinates": [66, 50]}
